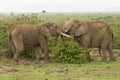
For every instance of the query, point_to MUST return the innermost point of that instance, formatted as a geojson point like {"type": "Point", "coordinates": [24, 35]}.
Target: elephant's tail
{"type": "Point", "coordinates": [10, 41]}
{"type": "Point", "coordinates": [110, 32]}
{"type": "Point", "coordinates": [11, 45]}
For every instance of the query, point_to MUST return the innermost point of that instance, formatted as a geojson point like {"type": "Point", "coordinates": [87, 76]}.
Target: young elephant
{"type": "Point", "coordinates": [25, 35]}
{"type": "Point", "coordinates": [92, 34]}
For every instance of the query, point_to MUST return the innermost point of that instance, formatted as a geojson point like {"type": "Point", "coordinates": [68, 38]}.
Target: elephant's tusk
{"type": "Point", "coordinates": [65, 35]}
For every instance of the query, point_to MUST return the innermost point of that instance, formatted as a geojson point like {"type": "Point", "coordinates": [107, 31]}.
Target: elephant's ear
{"type": "Point", "coordinates": [43, 29]}
{"type": "Point", "coordinates": [82, 29]}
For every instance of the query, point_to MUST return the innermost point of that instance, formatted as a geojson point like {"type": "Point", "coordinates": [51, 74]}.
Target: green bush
{"type": "Point", "coordinates": [68, 52]}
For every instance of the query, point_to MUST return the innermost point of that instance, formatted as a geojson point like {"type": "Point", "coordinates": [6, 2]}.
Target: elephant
{"type": "Point", "coordinates": [35, 36]}
{"type": "Point", "coordinates": [92, 35]}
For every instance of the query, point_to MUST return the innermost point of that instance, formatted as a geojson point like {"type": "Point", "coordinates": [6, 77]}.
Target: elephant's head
{"type": "Point", "coordinates": [51, 29]}
{"type": "Point", "coordinates": [43, 30]}
{"type": "Point", "coordinates": [76, 27]}
{"type": "Point", "coordinates": [56, 30]}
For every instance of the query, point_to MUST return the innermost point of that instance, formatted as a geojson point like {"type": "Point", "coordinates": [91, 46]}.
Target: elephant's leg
{"type": "Point", "coordinates": [46, 52]}
{"type": "Point", "coordinates": [16, 55]}
{"type": "Point", "coordinates": [19, 47]}
{"type": "Point", "coordinates": [44, 46]}
{"type": "Point", "coordinates": [104, 45]}
{"type": "Point", "coordinates": [37, 52]}
{"type": "Point", "coordinates": [88, 54]}
{"type": "Point", "coordinates": [89, 57]}
{"type": "Point", "coordinates": [112, 56]}
{"type": "Point", "coordinates": [12, 48]}
{"type": "Point", "coordinates": [100, 53]}
{"type": "Point", "coordinates": [104, 56]}
{"type": "Point", "coordinates": [104, 51]}
{"type": "Point", "coordinates": [86, 42]}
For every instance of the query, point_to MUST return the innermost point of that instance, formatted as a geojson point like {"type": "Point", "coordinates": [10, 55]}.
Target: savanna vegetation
{"type": "Point", "coordinates": [59, 68]}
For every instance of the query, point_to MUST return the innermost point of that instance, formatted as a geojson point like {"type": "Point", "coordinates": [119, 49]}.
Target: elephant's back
{"type": "Point", "coordinates": [98, 31]}
{"type": "Point", "coordinates": [28, 32]}
{"type": "Point", "coordinates": [25, 28]}
{"type": "Point", "coordinates": [97, 25]}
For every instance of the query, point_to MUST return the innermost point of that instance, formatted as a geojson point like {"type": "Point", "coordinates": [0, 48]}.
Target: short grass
{"type": "Point", "coordinates": [95, 70]}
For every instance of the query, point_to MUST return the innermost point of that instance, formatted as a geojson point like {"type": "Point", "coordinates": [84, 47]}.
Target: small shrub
{"type": "Point", "coordinates": [29, 53]}
{"type": "Point", "coordinates": [68, 52]}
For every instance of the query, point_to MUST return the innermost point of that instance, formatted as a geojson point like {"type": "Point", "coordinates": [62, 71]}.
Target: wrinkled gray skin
{"type": "Point", "coordinates": [25, 36]}
{"type": "Point", "coordinates": [92, 34]}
